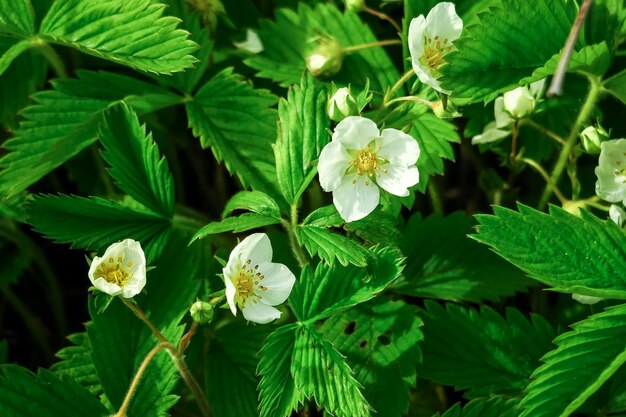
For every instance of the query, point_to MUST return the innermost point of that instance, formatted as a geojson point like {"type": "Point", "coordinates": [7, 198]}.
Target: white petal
{"type": "Point", "coordinates": [490, 134]}
{"type": "Point", "coordinates": [398, 148]}
{"type": "Point", "coordinates": [355, 132]}
{"type": "Point", "coordinates": [503, 118]}
{"type": "Point", "coordinates": [355, 201]}
{"type": "Point", "coordinates": [443, 21]}
{"type": "Point", "coordinates": [398, 179]}
{"type": "Point", "coordinates": [332, 166]}
{"type": "Point", "coordinates": [230, 294]}
{"type": "Point", "coordinates": [278, 280]}
{"type": "Point", "coordinates": [256, 248]}
{"type": "Point", "coordinates": [416, 38]}
{"type": "Point", "coordinates": [107, 287]}
{"type": "Point", "coordinates": [252, 43]}
{"type": "Point", "coordinates": [617, 214]}
{"type": "Point", "coordinates": [259, 312]}
{"type": "Point", "coordinates": [586, 299]}
{"type": "Point", "coordinates": [95, 263]}
{"type": "Point", "coordinates": [611, 185]}
{"type": "Point", "coordinates": [133, 286]}
{"type": "Point", "coordinates": [426, 76]}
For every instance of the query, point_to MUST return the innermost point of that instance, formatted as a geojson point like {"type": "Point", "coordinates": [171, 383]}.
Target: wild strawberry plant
{"type": "Point", "coordinates": [278, 208]}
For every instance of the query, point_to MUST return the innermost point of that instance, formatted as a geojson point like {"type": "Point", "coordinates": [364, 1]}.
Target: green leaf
{"type": "Point", "coordinates": [380, 340]}
{"type": "Point", "coordinates": [10, 49]}
{"type": "Point", "coordinates": [135, 162]}
{"type": "Point", "coordinates": [277, 390]}
{"type": "Point", "coordinates": [507, 44]}
{"type": "Point", "coordinates": [482, 352]}
{"type": "Point", "coordinates": [468, 272]}
{"type": "Point", "coordinates": [287, 42]}
{"type": "Point", "coordinates": [236, 121]}
{"type": "Point", "coordinates": [582, 255]}
{"type": "Point", "coordinates": [76, 363]}
{"type": "Point", "coordinates": [584, 359]}
{"type": "Point", "coordinates": [378, 227]}
{"type": "Point", "coordinates": [302, 133]}
{"type": "Point", "coordinates": [94, 223]}
{"type": "Point", "coordinates": [491, 407]}
{"type": "Point", "coordinates": [132, 33]}
{"type": "Point", "coordinates": [616, 85]}
{"type": "Point", "coordinates": [24, 394]}
{"type": "Point", "coordinates": [320, 371]}
{"type": "Point", "coordinates": [604, 22]}
{"type": "Point", "coordinates": [254, 201]}
{"type": "Point", "coordinates": [332, 289]}
{"type": "Point", "coordinates": [64, 121]}
{"type": "Point", "coordinates": [231, 369]}
{"type": "Point", "coordinates": [17, 18]}
{"type": "Point", "coordinates": [238, 224]}
{"type": "Point", "coordinates": [331, 246]}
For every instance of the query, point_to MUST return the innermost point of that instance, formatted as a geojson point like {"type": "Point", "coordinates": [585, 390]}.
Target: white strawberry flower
{"type": "Point", "coordinates": [253, 282]}
{"type": "Point", "coordinates": [617, 215]}
{"type": "Point", "coordinates": [611, 171]}
{"type": "Point", "coordinates": [430, 39]}
{"type": "Point", "coordinates": [359, 159]}
{"type": "Point", "coordinates": [252, 44]}
{"type": "Point", "coordinates": [121, 270]}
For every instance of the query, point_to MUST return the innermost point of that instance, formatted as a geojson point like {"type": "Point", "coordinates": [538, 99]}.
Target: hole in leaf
{"type": "Point", "coordinates": [383, 339]}
{"type": "Point", "coordinates": [363, 344]}
{"type": "Point", "coordinates": [350, 328]}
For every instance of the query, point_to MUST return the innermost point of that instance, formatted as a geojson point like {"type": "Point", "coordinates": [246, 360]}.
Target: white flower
{"type": "Point", "coordinates": [121, 270]}
{"type": "Point", "coordinates": [253, 282]}
{"type": "Point", "coordinates": [611, 171]}
{"type": "Point", "coordinates": [519, 102]}
{"type": "Point", "coordinates": [252, 43]}
{"type": "Point", "coordinates": [430, 39]}
{"type": "Point", "coordinates": [618, 215]}
{"type": "Point", "coordinates": [359, 159]}
{"type": "Point", "coordinates": [342, 105]}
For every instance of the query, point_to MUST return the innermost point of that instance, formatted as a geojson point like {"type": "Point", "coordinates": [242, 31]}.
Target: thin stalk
{"type": "Point", "coordinates": [544, 130]}
{"type": "Point", "coordinates": [52, 57]}
{"type": "Point", "coordinates": [435, 198]}
{"type": "Point", "coordinates": [383, 16]}
{"type": "Point", "coordinates": [142, 316]}
{"type": "Point", "coordinates": [514, 136]}
{"type": "Point", "coordinates": [411, 98]}
{"type": "Point", "coordinates": [290, 227]}
{"type": "Point", "coordinates": [135, 382]}
{"type": "Point", "coordinates": [546, 177]}
{"type": "Point", "coordinates": [372, 45]}
{"type": "Point", "coordinates": [405, 77]}
{"type": "Point", "coordinates": [585, 112]}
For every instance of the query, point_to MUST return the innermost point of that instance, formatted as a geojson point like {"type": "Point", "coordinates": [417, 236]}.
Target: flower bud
{"type": "Point", "coordinates": [519, 103]}
{"type": "Point", "coordinates": [355, 5]}
{"type": "Point", "coordinates": [586, 299]}
{"type": "Point", "coordinates": [618, 215]}
{"type": "Point", "coordinates": [202, 312]}
{"type": "Point", "coordinates": [449, 112]}
{"type": "Point", "coordinates": [326, 59]}
{"type": "Point", "coordinates": [591, 139]}
{"type": "Point", "coordinates": [342, 105]}
{"type": "Point", "coordinates": [574, 206]}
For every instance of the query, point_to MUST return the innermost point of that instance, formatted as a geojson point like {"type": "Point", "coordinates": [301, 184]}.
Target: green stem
{"type": "Point", "coordinates": [585, 112]}
{"type": "Point", "coordinates": [405, 77]}
{"type": "Point", "coordinates": [142, 316]}
{"type": "Point", "coordinates": [51, 56]}
{"type": "Point", "coordinates": [411, 98]}
{"type": "Point", "coordinates": [544, 130]}
{"type": "Point", "coordinates": [435, 198]}
{"type": "Point", "coordinates": [546, 177]}
{"type": "Point", "coordinates": [372, 45]}
{"type": "Point", "coordinates": [290, 227]}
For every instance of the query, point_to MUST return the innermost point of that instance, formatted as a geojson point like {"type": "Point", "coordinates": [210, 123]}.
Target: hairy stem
{"type": "Point", "coordinates": [405, 77]}
{"type": "Point", "coordinates": [411, 98]}
{"type": "Point", "coordinates": [546, 177]}
{"type": "Point", "coordinates": [142, 316]}
{"type": "Point", "coordinates": [51, 56]}
{"type": "Point", "coordinates": [290, 227]}
{"type": "Point", "coordinates": [372, 45]}
{"type": "Point", "coordinates": [544, 130]}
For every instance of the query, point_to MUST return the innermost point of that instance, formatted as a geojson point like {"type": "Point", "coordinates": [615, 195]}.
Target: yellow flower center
{"type": "Point", "coordinates": [114, 272]}
{"type": "Point", "coordinates": [367, 162]}
{"type": "Point", "coordinates": [246, 280]}
{"type": "Point", "coordinates": [434, 51]}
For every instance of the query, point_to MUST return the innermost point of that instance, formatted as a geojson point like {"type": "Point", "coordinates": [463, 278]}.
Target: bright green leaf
{"type": "Point", "coordinates": [238, 224]}
{"type": "Point", "coordinates": [583, 255]}
{"type": "Point", "coordinates": [254, 201]}
{"type": "Point", "coordinates": [616, 85]}
{"type": "Point", "coordinates": [135, 162]}
{"type": "Point", "coordinates": [469, 272]}
{"type": "Point", "coordinates": [331, 246]}
{"type": "Point", "coordinates": [132, 32]}
{"type": "Point", "coordinates": [584, 359]}
{"type": "Point", "coordinates": [17, 17]}
{"type": "Point", "coordinates": [491, 407]}
{"type": "Point", "coordinates": [302, 133]}
{"type": "Point", "coordinates": [481, 352]}
{"type": "Point", "coordinates": [76, 363]}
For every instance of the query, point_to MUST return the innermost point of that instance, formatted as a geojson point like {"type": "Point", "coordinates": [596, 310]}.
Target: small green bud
{"type": "Point", "coordinates": [202, 312]}
{"type": "Point", "coordinates": [449, 112]}
{"type": "Point", "coordinates": [591, 139]}
{"type": "Point", "coordinates": [326, 59]}
{"type": "Point", "coordinates": [342, 105]}
{"type": "Point", "coordinates": [519, 103]}
{"type": "Point", "coordinates": [355, 5]}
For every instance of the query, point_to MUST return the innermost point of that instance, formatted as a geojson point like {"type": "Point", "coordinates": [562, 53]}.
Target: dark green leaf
{"type": "Point", "coordinates": [616, 85]}
{"type": "Point", "coordinates": [254, 201]}
{"type": "Point", "coordinates": [10, 49]}
{"type": "Point", "coordinates": [329, 246]}
{"type": "Point", "coordinates": [243, 223]}
{"type": "Point", "coordinates": [76, 363]}
{"type": "Point", "coordinates": [492, 407]}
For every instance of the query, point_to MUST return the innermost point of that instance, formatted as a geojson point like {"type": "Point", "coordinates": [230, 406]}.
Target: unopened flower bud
{"type": "Point", "coordinates": [326, 59]}
{"type": "Point", "coordinates": [592, 137]}
{"type": "Point", "coordinates": [519, 103]}
{"type": "Point", "coordinates": [342, 105]}
{"type": "Point", "coordinates": [202, 312]}
{"type": "Point", "coordinates": [449, 112]}
{"type": "Point", "coordinates": [586, 299]}
{"type": "Point", "coordinates": [355, 5]}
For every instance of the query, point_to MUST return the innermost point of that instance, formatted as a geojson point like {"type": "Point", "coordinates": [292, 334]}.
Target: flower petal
{"type": "Point", "coordinates": [332, 166]}
{"type": "Point", "coordinates": [398, 179]}
{"type": "Point", "coordinates": [490, 134]}
{"type": "Point", "coordinates": [107, 287]}
{"type": "Point", "coordinates": [355, 132]}
{"type": "Point", "coordinates": [259, 312]}
{"type": "Point", "coordinates": [611, 184]}
{"type": "Point", "coordinates": [398, 148]}
{"type": "Point", "coordinates": [503, 117]}
{"type": "Point", "coordinates": [443, 21]}
{"type": "Point", "coordinates": [231, 291]}
{"type": "Point", "coordinates": [355, 201]}
{"type": "Point", "coordinates": [278, 281]}
{"type": "Point", "coordinates": [416, 37]}
{"type": "Point", "coordinates": [257, 248]}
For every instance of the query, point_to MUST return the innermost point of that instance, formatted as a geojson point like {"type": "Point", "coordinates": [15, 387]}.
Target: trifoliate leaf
{"type": "Point", "coordinates": [135, 162]}
{"type": "Point", "coordinates": [468, 272]}
{"type": "Point", "coordinates": [331, 289]}
{"type": "Point", "coordinates": [132, 32]}
{"type": "Point", "coordinates": [94, 223]}
{"type": "Point", "coordinates": [236, 122]}
{"type": "Point", "coordinates": [508, 43]}
{"type": "Point", "coordinates": [17, 18]}
{"type": "Point", "coordinates": [582, 255]}
{"type": "Point", "coordinates": [380, 340]}
{"type": "Point", "coordinates": [481, 352]}
{"type": "Point", "coordinates": [321, 372]}
{"type": "Point", "coordinates": [64, 121]}
{"type": "Point", "coordinates": [491, 407]}
{"type": "Point", "coordinates": [24, 394]}
{"type": "Point", "coordinates": [76, 363]}
{"type": "Point", "coordinates": [584, 359]}
{"type": "Point", "coordinates": [302, 133]}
